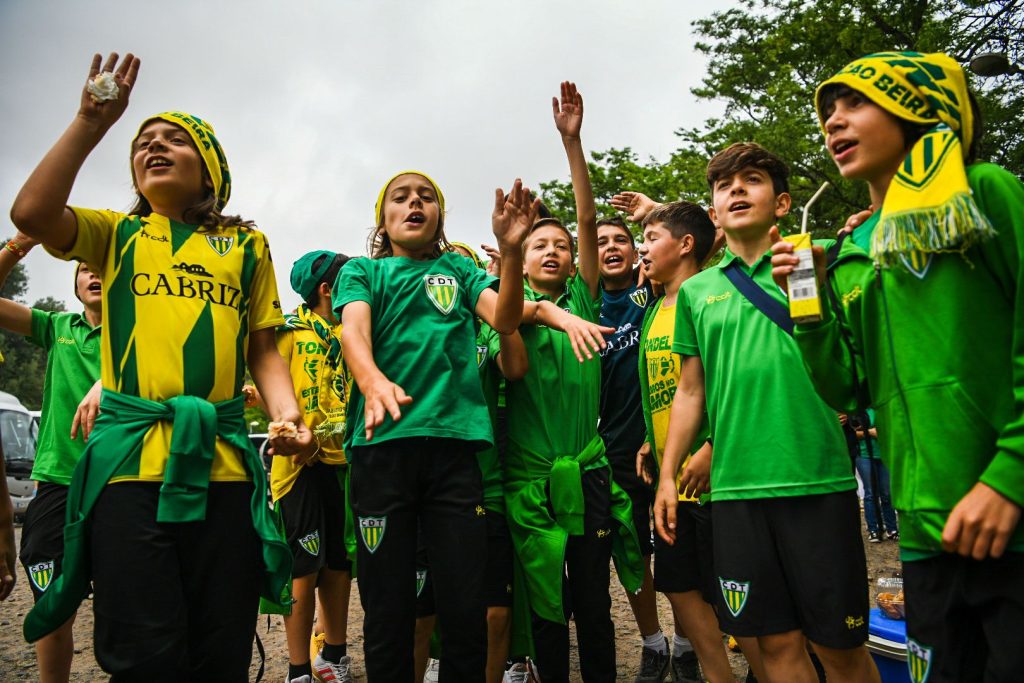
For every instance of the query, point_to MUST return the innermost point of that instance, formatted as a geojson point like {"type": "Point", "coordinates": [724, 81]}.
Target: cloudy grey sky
{"type": "Point", "coordinates": [317, 102]}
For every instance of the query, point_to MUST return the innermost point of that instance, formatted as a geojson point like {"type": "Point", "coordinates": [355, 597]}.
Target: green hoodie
{"type": "Point", "coordinates": [938, 351]}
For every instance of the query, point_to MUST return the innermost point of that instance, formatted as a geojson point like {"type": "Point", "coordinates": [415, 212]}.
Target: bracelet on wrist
{"type": "Point", "coordinates": [16, 249]}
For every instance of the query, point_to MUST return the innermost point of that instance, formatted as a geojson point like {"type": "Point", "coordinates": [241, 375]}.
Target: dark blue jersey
{"type": "Point", "coordinates": [622, 420]}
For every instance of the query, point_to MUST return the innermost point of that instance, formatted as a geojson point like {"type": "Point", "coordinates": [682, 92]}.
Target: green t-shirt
{"type": "Point", "coordinates": [773, 436]}
{"type": "Point", "coordinates": [488, 345]}
{"type": "Point", "coordinates": [72, 367]}
{"type": "Point", "coordinates": [553, 410]}
{"type": "Point", "coordinates": [424, 340]}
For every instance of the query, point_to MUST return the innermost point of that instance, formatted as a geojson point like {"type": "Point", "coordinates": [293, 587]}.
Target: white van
{"type": "Point", "coordinates": [18, 432]}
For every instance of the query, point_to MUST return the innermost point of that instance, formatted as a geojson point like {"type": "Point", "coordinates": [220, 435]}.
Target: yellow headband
{"type": "Point", "coordinates": [379, 207]}
{"type": "Point", "coordinates": [911, 86]}
{"type": "Point", "coordinates": [209, 149]}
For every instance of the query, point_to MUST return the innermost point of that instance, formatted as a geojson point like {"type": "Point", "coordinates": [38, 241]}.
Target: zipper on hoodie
{"type": "Point", "coordinates": [892, 358]}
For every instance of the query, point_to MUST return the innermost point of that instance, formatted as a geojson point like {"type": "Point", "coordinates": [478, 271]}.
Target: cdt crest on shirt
{"type": "Point", "coordinates": [41, 574]}
{"type": "Point", "coordinates": [917, 263]}
{"type": "Point", "coordinates": [372, 531]}
{"type": "Point", "coordinates": [639, 297]}
{"type": "Point", "coordinates": [735, 594]}
{"type": "Point", "coordinates": [919, 661]}
{"type": "Point", "coordinates": [442, 290]}
{"type": "Point", "coordinates": [220, 244]}
{"type": "Point", "coordinates": [421, 580]}
{"type": "Point", "coordinates": [311, 543]}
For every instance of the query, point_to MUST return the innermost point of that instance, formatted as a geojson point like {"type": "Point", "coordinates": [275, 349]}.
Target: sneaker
{"type": "Point", "coordinates": [686, 668]}
{"type": "Point", "coordinates": [518, 673]}
{"type": "Point", "coordinates": [653, 665]}
{"type": "Point", "coordinates": [329, 672]}
{"type": "Point", "coordinates": [433, 673]}
{"type": "Point", "coordinates": [874, 537]}
{"type": "Point", "coordinates": [892, 535]}
{"type": "Point", "coordinates": [300, 679]}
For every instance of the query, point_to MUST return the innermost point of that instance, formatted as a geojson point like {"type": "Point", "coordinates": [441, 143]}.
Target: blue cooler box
{"type": "Point", "coordinates": [887, 643]}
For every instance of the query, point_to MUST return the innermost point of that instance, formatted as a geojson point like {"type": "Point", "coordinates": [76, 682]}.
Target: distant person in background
{"type": "Point", "coordinates": [875, 477]}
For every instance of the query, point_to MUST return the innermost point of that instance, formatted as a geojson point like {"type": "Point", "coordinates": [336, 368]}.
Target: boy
{"type": "Point", "coordinates": [787, 548]}
{"type": "Point", "coordinates": [935, 261]}
{"type": "Point", "coordinates": [309, 490]}
{"type": "Point", "coordinates": [677, 239]}
{"type": "Point", "coordinates": [564, 511]}
{"type": "Point", "coordinates": [623, 304]}
{"type": "Point", "coordinates": [72, 342]}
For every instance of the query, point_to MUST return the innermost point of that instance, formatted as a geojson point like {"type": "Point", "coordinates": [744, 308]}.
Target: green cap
{"type": "Point", "coordinates": [306, 275]}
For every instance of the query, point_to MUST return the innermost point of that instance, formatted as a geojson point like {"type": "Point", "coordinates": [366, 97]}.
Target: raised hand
{"type": "Point", "coordinates": [105, 114]}
{"type": "Point", "coordinates": [568, 112]}
{"type": "Point", "coordinates": [636, 205]}
{"type": "Point", "coordinates": [513, 216]}
{"type": "Point", "coordinates": [494, 262]}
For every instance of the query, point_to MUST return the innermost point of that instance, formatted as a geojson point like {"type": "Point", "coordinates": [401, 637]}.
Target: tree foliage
{"type": "Point", "coordinates": [765, 59]}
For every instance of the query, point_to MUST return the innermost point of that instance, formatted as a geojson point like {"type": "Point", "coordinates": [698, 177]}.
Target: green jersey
{"type": "Point", "coordinates": [773, 436]}
{"type": "Point", "coordinates": [553, 410]}
{"type": "Point", "coordinates": [73, 365]}
{"type": "Point", "coordinates": [423, 331]}
{"type": "Point", "coordinates": [939, 343]}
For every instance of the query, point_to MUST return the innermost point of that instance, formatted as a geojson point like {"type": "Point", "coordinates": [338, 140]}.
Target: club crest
{"type": "Point", "coordinates": [421, 580]}
{"type": "Point", "coordinates": [639, 297]}
{"type": "Point", "coordinates": [311, 366]}
{"type": "Point", "coordinates": [372, 531]}
{"type": "Point", "coordinates": [221, 245]}
{"type": "Point", "coordinates": [921, 164]}
{"type": "Point", "coordinates": [41, 574]}
{"type": "Point", "coordinates": [919, 661]}
{"type": "Point", "coordinates": [481, 355]}
{"type": "Point", "coordinates": [311, 543]}
{"type": "Point", "coordinates": [917, 263]}
{"type": "Point", "coordinates": [442, 290]}
{"type": "Point", "coordinates": [735, 594]}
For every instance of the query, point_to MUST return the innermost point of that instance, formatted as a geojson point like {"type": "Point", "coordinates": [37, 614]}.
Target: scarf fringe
{"type": "Point", "coordinates": [954, 226]}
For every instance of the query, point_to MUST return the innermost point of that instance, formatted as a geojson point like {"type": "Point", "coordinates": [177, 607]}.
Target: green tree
{"type": "Point", "coordinates": [24, 366]}
{"type": "Point", "coordinates": [766, 58]}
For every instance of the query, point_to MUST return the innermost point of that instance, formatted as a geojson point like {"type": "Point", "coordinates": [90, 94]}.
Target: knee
{"type": "Point", "coordinates": [783, 646]}
{"type": "Point", "coordinates": [842, 660]}
{"type": "Point", "coordinates": [497, 620]}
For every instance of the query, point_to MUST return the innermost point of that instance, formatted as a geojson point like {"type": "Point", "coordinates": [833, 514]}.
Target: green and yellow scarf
{"type": "Point", "coordinates": [305, 319]}
{"type": "Point", "coordinates": [928, 208]}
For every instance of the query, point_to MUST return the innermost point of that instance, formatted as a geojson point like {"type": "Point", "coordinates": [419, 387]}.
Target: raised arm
{"type": "Point", "coordinates": [513, 360]}
{"type": "Point", "coordinates": [380, 394]}
{"type": "Point", "coordinates": [568, 115]}
{"type": "Point", "coordinates": [585, 336]}
{"type": "Point", "coordinates": [636, 205]}
{"type": "Point", "coordinates": [40, 209]}
{"type": "Point", "coordinates": [511, 221]}
{"type": "Point", "coordinates": [14, 317]}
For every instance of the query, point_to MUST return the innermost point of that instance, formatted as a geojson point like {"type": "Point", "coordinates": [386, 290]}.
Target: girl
{"type": "Point", "coordinates": [417, 416]}
{"type": "Point", "coordinates": [166, 509]}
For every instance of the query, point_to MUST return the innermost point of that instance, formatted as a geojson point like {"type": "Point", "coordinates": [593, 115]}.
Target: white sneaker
{"type": "Point", "coordinates": [433, 673]}
{"type": "Point", "coordinates": [300, 679]}
{"type": "Point", "coordinates": [521, 672]}
{"type": "Point", "coordinates": [329, 672]}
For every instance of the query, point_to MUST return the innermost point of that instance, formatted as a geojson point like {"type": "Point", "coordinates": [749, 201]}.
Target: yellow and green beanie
{"type": "Point", "coordinates": [209, 148]}
{"type": "Point", "coordinates": [928, 208]}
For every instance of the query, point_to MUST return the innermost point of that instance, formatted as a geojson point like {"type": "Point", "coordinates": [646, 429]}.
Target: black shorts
{"type": "Point", "coordinates": [42, 536]}
{"type": "Point", "coordinates": [794, 563]}
{"type": "Point", "coordinates": [641, 495]}
{"type": "Point", "coordinates": [688, 564]}
{"type": "Point", "coordinates": [498, 576]}
{"type": "Point", "coordinates": [964, 618]}
{"type": "Point", "coordinates": [314, 520]}
{"type": "Point", "coordinates": [175, 601]}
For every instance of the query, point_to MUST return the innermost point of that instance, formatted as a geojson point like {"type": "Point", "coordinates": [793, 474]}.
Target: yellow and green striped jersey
{"type": "Point", "coordinates": [321, 392]}
{"type": "Point", "coordinates": [179, 303]}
